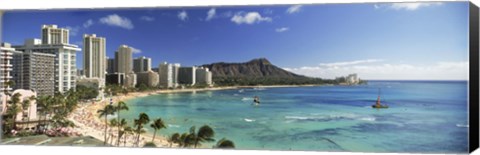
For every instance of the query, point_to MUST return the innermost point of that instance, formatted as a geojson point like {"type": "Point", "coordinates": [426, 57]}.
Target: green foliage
{"type": "Point", "coordinates": [113, 89]}
{"type": "Point", "coordinates": [157, 125]}
{"type": "Point", "coordinates": [85, 93]}
{"type": "Point", "coordinates": [252, 81]}
{"type": "Point", "coordinates": [149, 144]}
{"type": "Point", "coordinates": [225, 143]}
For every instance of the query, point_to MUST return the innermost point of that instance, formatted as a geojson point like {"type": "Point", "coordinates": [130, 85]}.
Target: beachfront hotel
{"type": "Point", "coordinates": [110, 63]}
{"type": "Point", "coordinates": [148, 78]}
{"type": "Point", "coordinates": [94, 53]}
{"type": "Point", "coordinates": [123, 65]}
{"type": "Point", "coordinates": [6, 53]}
{"type": "Point", "coordinates": [187, 75]}
{"type": "Point", "coordinates": [55, 41]}
{"type": "Point", "coordinates": [142, 64]}
{"type": "Point", "coordinates": [168, 75]}
{"type": "Point", "coordinates": [34, 71]}
{"type": "Point", "coordinates": [203, 76]}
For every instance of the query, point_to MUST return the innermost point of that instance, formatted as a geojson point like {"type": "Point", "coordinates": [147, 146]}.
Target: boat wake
{"type": "Point", "coordinates": [331, 117]}
{"type": "Point", "coordinates": [249, 120]}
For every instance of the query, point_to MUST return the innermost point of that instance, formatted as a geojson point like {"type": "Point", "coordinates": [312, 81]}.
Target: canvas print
{"type": "Point", "coordinates": [361, 77]}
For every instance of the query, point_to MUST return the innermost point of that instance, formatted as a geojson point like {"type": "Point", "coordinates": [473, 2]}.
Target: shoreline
{"type": "Point", "coordinates": [86, 119]}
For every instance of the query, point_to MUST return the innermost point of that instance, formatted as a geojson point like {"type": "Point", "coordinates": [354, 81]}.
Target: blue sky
{"type": "Point", "coordinates": [375, 40]}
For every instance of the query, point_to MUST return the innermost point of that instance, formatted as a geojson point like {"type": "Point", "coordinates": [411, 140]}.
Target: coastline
{"type": "Point", "coordinates": [86, 119]}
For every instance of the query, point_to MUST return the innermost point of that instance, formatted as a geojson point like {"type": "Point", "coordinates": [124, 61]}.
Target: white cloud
{"type": "Point", "coordinates": [116, 20]}
{"type": "Point", "coordinates": [136, 51]}
{"type": "Point", "coordinates": [346, 63]}
{"type": "Point", "coordinates": [283, 29]}
{"type": "Point", "coordinates": [210, 14]}
{"type": "Point", "coordinates": [249, 18]}
{"type": "Point", "coordinates": [182, 15]}
{"type": "Point", "coordinates": [88, 23]}
{"type": "Point", "coordinates": [147, 18]}
{"type": "Point", "coordinates": [294, 9]}
{"type": "Point", "coordinates": [409, 6]}
{"type": "Point", "coordinates": [73, 30]}
{"type": "Point", "coordinates": [369, 70]}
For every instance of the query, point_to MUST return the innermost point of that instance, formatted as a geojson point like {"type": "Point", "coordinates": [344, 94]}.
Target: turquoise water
{"type": "Point", "coordinates": [424, 117]}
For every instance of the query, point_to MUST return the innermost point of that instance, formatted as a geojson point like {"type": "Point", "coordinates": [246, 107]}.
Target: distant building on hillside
{"type": "Point", "coordinates": [351, 79]}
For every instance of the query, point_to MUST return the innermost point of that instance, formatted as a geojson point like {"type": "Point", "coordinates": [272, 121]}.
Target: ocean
{"type": "Point", "coordinates": [423, 116]}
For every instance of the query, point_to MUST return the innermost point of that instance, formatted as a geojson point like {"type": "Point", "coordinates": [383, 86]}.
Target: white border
{"type": "Point", "coordinates": [75, 4]}
{"type": "Point", "coordinates": [49, 4]}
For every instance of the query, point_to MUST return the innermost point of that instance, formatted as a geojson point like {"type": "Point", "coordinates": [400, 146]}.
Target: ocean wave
{"type": "Point", "coordinates": [462, 125]}
{"type": "Point", "coordinates": [249, 120]}
{"type": "Point", "coordinates": [173, 125]}
{"type": "Point", "coordinates": [247, 99]}
{"type": "Point", "coordinates": [331, 117]}
{"type": "Point", "coordinates": [241, 91]}
{"type": "Point", "coordinates": [259, 88]}
{"type": "Point", "coordinates": [235, 94]}
{"type": "Point", "coordinates": [370, 119]}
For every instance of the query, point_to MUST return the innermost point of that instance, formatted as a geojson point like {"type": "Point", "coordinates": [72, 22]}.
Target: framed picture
{"type": "Point", "coordinates": [356, 77]}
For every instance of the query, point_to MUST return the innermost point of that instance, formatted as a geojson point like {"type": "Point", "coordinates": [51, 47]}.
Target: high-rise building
{"type": "Point", "coordinates": [123, 60]}
{"type": "Point", "coordinates": [94, 53]}
{"type": "Point", "coordinates": [34, 71]}
{"type": "Point", "coordinates": [168, 75]}
{"type": "Point", "coordinates": [6, 55]}
{"type": "Point", "coordinates": [148, 78]}
{"type": "Point", "coordinates": [187, 75]}
{"type": "Point", "coordinates": [65, 61]}
{"type": "Point", "coordinates": [51, 34]}
{"type": "Point", "coordinates": [203, 76]}
{"type": "Point", "coordinates": [110, 65]}
{"type": "Point", "coordinates": [142, 64]}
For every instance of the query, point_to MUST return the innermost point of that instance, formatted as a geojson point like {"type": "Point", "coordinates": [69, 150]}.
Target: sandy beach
{"type": "Point", "coordinates": [87, 120]}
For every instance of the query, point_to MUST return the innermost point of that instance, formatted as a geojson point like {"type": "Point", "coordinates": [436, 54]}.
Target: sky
{"type": "Point", "coordinates": [378, 41]}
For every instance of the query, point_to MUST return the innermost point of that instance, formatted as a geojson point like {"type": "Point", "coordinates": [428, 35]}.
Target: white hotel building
{"type": "Point", "coordinates": [55, 41]}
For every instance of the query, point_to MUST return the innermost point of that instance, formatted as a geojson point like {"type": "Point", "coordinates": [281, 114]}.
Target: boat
{"type": "Point", "coordinates": [377, 104]}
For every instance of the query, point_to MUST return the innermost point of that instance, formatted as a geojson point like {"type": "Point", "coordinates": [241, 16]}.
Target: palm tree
{"type": "Point", "coordinates": [225, 143]}
{"type": "Point", "coordinates": [30, 99]}
{"type": "Point", "coordinates": [26, 106]}
{"type": "Point", "coordinates": [149, 144]}
{"type": "Point", "coordinates": [127, 130]}
{"type": "Point", "coordinates": [122, 124]}
{"type": "Point", "coordinates": [107, 110]}
{"type": "Point", "coordinates": [120, 106]}
{"type": "Point", "coordinates": [14, 109]}
{"type": "Point", "coordinates": [157, 125]}
{"type": "Point", "coordinates": [142, 120]}
{"type": "Point", "coordinates": [113, 123]}
{"type": "Point", "coordinates": [175, 138]}
{"type": "Point", "coordinates": [204, 134]}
